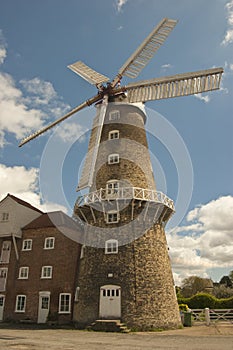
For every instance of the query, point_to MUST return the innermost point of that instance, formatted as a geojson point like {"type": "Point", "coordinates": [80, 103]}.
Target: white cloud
{"type": "Point", "coordinates": [120, 4]}
{"type": "Point", "coordinates": [166, 66]}
{"type": "Point", "coordinates": [25, 110]}
{"type": "Point", "coordinates": [3, 46]}
{"type": "Point", "coordinates": [70, 132]}
{"type": "Point", "coordinates": [228, 39]}
{"type": "Point", "coordinates": [206, 242]}
{"type": "Point", "coordinates": [23, 183]}
{"type": "Point", "coordinates": [205, 98]}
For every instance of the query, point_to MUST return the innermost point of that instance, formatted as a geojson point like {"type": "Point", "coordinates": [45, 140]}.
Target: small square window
{"type": "Point", "coordinates": [113, 217]}
{"type": "Point", "coordinates": [114, 115]}
{"type": "Point", "coordinates": [49, 243]}
{"type": "Point", "coordinates": [20, 303]}
{"type": "Point", "coordinates": [113, 158]}
{"type": "Point", "coordinates": [23, 272]}
{"type": "Point", "coordinates": [27, 244]}
{"type": "Point", "coordinates": [46, 272]}
{"type": "Point", "coordinates": [113, 135]}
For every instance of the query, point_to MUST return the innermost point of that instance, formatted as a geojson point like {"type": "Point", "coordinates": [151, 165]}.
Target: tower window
{"type": "Point", "coordinates": [113, 158]}
{"type": "Point", "coordinates": [113, 135]}
{"type": "Point", "coordinates": [114, 115]}
{"type": "Point", "coordinates": [113, 217]}
{"type": "Point", "coordinates": [111, 246]}
{"type": "Point", "coordinates": [112, 187]}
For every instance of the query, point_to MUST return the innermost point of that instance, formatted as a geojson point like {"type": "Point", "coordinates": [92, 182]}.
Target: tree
{"type": "Point", "coordinates": [231, 276]}
{"type": "Point", "coordinates": [222, 292]}
{"type": "Point", "coordinates": [226, 281]}
{"type": "Point", "coordinates": [194, 284]}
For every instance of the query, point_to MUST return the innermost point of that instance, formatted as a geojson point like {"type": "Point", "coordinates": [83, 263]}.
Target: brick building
{"type": "Point", "coordinates": [39, 261]}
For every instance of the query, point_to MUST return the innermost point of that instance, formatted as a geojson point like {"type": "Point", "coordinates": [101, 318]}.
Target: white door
{"type": "Point", "coordinates": [110, 302]}
{"type": "Point", "coordinates": [43, 309]}
{"type": "Point", "coordinates": [2, 302]}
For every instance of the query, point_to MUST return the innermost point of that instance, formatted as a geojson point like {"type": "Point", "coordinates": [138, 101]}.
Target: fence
{"type": "Point", "coordinates": [212, 315]}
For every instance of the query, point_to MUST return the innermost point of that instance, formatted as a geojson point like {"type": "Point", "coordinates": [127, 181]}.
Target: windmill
{"type": "Point", "coordinates": [125, 270]}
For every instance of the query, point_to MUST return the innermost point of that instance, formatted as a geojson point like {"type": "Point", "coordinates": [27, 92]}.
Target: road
{"type": "Point", "coordinates": [195, 338]}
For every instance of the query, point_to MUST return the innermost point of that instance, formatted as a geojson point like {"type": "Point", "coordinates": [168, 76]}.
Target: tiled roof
{"type": "Point", "coordinates": [53, 219]}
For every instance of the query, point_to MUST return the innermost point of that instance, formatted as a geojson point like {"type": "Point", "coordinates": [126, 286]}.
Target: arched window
{"type": "Point", "coordinates": [111, 246]}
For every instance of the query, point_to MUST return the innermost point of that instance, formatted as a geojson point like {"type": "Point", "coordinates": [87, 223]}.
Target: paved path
{"type": "Point", "coordinates": [195, 338]}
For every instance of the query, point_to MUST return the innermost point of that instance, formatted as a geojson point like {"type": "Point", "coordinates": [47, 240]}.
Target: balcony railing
{"type": "Point", "coordinates": [125, 193]}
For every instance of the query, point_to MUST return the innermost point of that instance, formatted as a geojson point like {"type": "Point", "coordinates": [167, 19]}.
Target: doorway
{"type": "Point", "coordinates": [43, 308]}
{"type": "Point", "coordinates": [2, 302]}
{"type": "Point", "coordinates": [110, 302]}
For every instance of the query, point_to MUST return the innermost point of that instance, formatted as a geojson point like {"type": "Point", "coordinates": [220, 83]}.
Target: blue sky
{"type": "Point", "coordinates": [38, 39]}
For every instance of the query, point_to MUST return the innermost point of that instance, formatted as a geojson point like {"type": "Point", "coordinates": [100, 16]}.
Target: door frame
{"type": "Point", "coordinates": [3, 305]}
{"type": "Point", "coordinates": [106, 300]}
{"type": "Point", "coordinates": [41, 295]}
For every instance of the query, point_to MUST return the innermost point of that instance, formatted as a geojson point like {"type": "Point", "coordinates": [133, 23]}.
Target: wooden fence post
{"type": "Point", "coordinates": [207, 316]}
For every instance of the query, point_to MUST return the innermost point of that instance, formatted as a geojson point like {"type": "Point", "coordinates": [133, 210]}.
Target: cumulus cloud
{"type": "Point", "coordinates": [228, 38]}
{"type": "Point", "coordinates": [23, 183]}
{"type": "Point", "coordinates": [206, 242]}
{"type": "Point", "coordinates": [27, 105]}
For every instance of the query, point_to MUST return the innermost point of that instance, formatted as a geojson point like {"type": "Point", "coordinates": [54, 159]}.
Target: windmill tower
{"type": "Point", "coordinates": [125, 271]}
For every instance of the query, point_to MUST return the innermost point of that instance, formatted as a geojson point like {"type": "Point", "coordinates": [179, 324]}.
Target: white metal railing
{"type": "Point", "coordinates": [125, 193]}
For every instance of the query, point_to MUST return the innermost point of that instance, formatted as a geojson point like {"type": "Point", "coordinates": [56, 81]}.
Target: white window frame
{"type": "Point", "coordinates": [45, 270]}
{"type": "Point", "coordinates": [114, 115]}
{"type": "Point", "coordinates": [111, 246]}
{"type": "Point", "coordinates": [60, 310]}
{"type": "Point", "coordinates": [23, 272]}
{"type": "Point", "coordinates": [17, 304]}
{"type": "Point", "coordinates": [3, 276]}
{"type": "Point", "coordinates": [113, 217]}
{"type": "Point", "coordinates": [27, 244]}
{"type": "Point", "coordinates": [5, 217]}
{"type": "Point", "coordinates": [49, 243]}
{"type": "Point", "coordinates": [113, 135]}
{"type": "Point", "coordinates": [6, 252]}
{"type": "Point", "coordinates": [113, 158]}
{"type": "Point", "coordinates": [112, 187]}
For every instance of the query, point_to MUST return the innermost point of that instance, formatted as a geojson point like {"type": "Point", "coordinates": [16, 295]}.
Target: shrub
{"type": "Point", "coordinates": [203, 300]}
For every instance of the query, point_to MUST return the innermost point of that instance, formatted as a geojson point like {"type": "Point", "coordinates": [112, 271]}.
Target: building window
{"type": "Point", "coordinates": [20, 303]}
{"type": "Point", "coordinates": [5, 217]}
{"type": "Point", "coordinates": [46, 272]}
{"type": "Point", "coordinates": [6, 251]}
{"type": "Point", "coordinates": [82, 252]}
{"type": "Point", "coordinates": [113, 135]}
{"type": "Point", "coordinates": [114, 115]}
{"type": "Point", "coordinates": [27, 244]}
{"type": "Point", "coordinates": [3, 277]}
{"type": "Point", "coordinates": [49, 243]}
{"type": "Point", "coordinates": [112, 187]}
{"type": "Point", "coordinates": [113, 217]}
{"type": "Point", "coordinates": [113, 158]}
{"type": "Point", "coordinates": [23, 272]}
{"type": "Point", "coordinates": [64, 303]}
{"type": "Point", "coordinates": [111, 246]}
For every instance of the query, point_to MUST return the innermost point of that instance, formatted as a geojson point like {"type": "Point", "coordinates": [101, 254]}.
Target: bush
{"type": "Point", "coordinates": [203, 300]}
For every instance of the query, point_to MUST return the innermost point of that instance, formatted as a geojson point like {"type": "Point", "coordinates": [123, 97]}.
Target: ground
{"type": "Point", "coordinates": [214, 337]}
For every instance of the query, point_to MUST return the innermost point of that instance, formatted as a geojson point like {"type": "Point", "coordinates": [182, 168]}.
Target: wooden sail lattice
{"type": "Point", "coordinates": [174, 86]}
